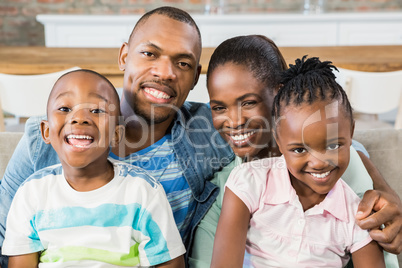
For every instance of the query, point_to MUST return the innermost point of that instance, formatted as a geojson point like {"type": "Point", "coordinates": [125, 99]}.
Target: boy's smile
{"type": "Point", "coordinates": [82, 114]}
{"type": "Point", "coordinates": [315, 140]}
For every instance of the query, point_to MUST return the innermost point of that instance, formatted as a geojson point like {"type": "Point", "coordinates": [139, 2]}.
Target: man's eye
{"type": "Point", "coordinates": [97, 111]}
{"type": "Point", "coordinates": [299, 150]}
{"type": "Point", "coordinates": [184, 65]}
{"type": "Point", "coordinates": [147, 53]}
{"type": "Point", "coordinates": [65, 109]}
{"type": "Point", "coordinates": [333, 146]}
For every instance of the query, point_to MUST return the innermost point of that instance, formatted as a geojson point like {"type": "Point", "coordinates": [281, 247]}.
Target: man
{"type": "Point", "coordinates": [173, 140]}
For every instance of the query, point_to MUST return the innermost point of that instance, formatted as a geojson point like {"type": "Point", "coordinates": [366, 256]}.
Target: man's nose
{"type": "Point", "coordinates": [164, 69]}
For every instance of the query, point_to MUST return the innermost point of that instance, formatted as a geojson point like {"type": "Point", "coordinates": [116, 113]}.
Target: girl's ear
{"type": "Point", "coordinates": [352, 131]}
{"type": "Point", "coordinates": [123, 56]}
{"type": "Point", "coordinates": [118, 134]}
{"type": "Point", "coordinates": [276, 138]}
{"type": "Point", "coordinates": [44, 129]}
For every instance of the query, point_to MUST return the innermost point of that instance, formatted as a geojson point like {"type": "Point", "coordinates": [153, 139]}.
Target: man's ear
{"type": "Point", "coordinates": [118, 135]}
{"type": "Point", "coordinates": [123, 52]}
{"type": "Point", "coordinates": [44, 129]}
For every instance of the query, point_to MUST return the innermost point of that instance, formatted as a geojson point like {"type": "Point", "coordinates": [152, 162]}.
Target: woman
{"type": "Point", "coordinates": [243, 78]}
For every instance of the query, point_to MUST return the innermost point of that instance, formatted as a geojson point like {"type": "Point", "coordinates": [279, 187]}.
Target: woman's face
{"type": "Point", "coordinates": [241, 110]}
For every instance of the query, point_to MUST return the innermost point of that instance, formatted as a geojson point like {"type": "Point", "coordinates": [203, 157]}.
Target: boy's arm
{"type": "Point", "coordinates": [175, 263]}
{"type": "Point", "coordinates": [231, 234]}
{"type": "Point", "coordinates": [388, 211]}
{"type": "Point", "coordinates": [27, 261]}
{"type": "Point", "coordinates": [368, 256]}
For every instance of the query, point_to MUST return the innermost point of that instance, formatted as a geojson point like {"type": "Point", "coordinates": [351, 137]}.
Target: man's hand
{"type": "Point", "coordinates": [381, 213]}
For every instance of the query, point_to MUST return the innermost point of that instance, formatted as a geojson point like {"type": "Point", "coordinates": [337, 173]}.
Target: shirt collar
{"type": "Point", "coordinates": [280, 190]}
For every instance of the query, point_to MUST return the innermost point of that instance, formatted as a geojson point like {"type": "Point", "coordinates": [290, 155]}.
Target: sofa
{"type": "Point", "coordinates": [383, 145]}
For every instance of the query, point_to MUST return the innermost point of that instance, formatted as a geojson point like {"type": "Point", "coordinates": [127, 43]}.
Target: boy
{"type": "Point", "coordinates": [88, 211]}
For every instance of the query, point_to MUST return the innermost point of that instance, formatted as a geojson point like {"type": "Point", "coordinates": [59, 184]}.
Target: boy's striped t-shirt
{"type": "Point", "coordinates": [127, 222]}
{"type": "Point", "coordinates": [161, 163]}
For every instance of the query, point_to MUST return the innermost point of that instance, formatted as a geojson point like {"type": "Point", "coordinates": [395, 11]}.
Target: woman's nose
{"type": "Point", "coordinates": [236, 118]}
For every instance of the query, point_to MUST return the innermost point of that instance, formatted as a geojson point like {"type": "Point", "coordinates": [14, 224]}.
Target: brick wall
{"type": "Point", "coordinates": [18, 26]}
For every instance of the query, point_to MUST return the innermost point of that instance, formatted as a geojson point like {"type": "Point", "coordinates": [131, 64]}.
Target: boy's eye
{"type": "Point", "coordinates": [65, 109]}
{"type": "Point", "coordinates": [299, 150]}
{"type": "Point", "coordinates": [97, 111]}
{"type": "Point", "coordinates": [333, 146]}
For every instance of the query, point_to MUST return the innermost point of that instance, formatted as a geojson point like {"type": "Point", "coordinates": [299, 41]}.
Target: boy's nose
{"type": "Point", "coordinates": [80, 116]}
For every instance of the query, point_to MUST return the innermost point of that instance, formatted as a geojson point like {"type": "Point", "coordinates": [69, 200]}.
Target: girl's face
{"type": "Point", "coordinates": [241, 109]}
{"type": "Point", "coordinates": [315, 140]}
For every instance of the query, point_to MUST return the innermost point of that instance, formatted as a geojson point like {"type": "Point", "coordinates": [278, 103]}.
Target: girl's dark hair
{"type": "Point", "coordinates": [307, 81]}
{"type": "Point", "coordinates": [258, 53]}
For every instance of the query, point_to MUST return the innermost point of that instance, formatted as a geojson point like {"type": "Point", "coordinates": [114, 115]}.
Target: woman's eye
{"type": "Point", "coordinates": [249, 103]}
{"type": "Point", "coordinates": [218, 108]}
{"type": "Point", "coordinates": [333, 146]}
{"type": "Point", "coordinates": [97, 111]}
{"type": "Point", "coordinates": [65, 109]}
{"type": "Point", "coordinates": [299, 150]}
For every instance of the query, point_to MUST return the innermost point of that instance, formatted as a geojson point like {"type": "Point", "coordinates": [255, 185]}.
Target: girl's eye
{"type": "Point", "coordinates": [65, 109]}
{"type": "Point", "coordinates": [299, 150]}
{"type": "Point", "coordinates": [97, 111]}
{"type": "Point", "coordinates": [333, 146]}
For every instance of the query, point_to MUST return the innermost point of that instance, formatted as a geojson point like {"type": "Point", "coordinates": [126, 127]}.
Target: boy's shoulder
{"type": "Point", "coordinates": [126, 170]}
{"type": "Point", "coordinates": [54, 170]}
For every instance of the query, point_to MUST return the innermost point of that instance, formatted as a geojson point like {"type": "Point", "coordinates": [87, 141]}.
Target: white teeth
{"type": "Point", "coordinates": [320, 175]}
{"type": "Point", "coordinates": [81, 137]}
{"type": "Point", "coordinates": [157, 94]}
{"type": "Point", "coordinates": [243, 136]}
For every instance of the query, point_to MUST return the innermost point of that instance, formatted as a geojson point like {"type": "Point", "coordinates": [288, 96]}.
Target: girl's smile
{"type": "Point", "coordinates": [315, 145]}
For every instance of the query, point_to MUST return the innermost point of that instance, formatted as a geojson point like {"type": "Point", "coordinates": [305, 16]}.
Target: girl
{"type": "Point", "coordinates": [243, 78]}
{"type": "Point", "coordinates": [294, 210]}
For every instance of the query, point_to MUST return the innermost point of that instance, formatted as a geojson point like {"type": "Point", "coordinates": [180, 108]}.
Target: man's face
{"type": "Point", "coordinates": [161, 63]}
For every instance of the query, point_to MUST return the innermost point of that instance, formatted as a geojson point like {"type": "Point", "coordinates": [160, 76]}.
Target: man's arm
{"type": "Point", "coordinates": [387, 206]}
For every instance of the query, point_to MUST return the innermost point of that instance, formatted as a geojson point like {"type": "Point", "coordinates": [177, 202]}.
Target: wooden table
{"type": "Point", "coordinates": [39, 60]}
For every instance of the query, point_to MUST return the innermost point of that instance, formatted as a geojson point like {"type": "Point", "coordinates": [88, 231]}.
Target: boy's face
{"type": "Point", "coordinates": [315, 140]}
{"type": "Point", "coordinates": [82, 115]}
{"type": "Point", "coordinates": [161, 67]}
